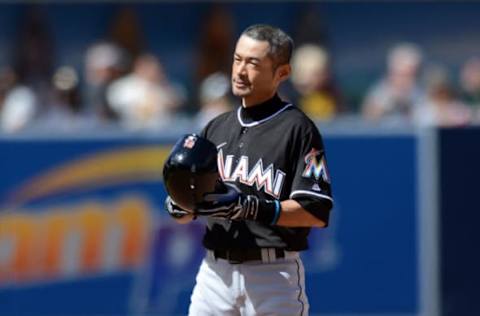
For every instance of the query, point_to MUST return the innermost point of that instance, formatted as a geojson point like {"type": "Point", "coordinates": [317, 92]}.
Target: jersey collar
{"type": "Point", "coordinates": [262, 112]}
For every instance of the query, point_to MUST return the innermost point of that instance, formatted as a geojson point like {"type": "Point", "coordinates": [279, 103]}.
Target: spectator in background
{"type": "Point", "coordinates": [126, 31]}
{"type": "Point", "coordinates": [19, 106]}
{"type": "Point", "coordinates": [310, 25]}
{"type": "Point", "coordinates": [34, 54]}
{"type": "Point", "coordinates": [215, 44]}
{"type": "Point", "coordinates": [27, 94]}
{"type": "Point", "coordinates": [65, 103]}
{"type": "Point", "coordinates": [66, 95]}
{"type": "Point", "coordinates": [398, 93]}
{"type": "Point", "coordinates": [214, 98]}
{"type": "Point", "coordinates": [104, 63]}
{"type": "Point", "coordinates": [61, 110]}
{"type": "Point", "coordinates": [8, 79]}
{"type": "Point", "coordinates": [470, 85]}
{"type": "Point", "coordinates": [216, 34]}
{"type": "Point", "coordinates": [316, 93]}
{"type": "Point", "coordinates": [145, 99]}
{"type": "Point", "coordinates": [441, 107]}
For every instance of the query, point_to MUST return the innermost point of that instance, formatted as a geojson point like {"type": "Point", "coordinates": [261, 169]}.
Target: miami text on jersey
{"type": "Point", "coordinates": [315, 167]}
{"type": "Point", "coordinates": [262, 178]}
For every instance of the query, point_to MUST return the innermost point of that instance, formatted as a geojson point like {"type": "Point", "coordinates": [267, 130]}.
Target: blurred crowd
{"type": "Point", "coordinates": [423, 94]}
{"type": "Point", "coordinates": [122, 86]}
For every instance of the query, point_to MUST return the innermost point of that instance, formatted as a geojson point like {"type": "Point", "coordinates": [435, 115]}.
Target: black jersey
{"type": "Point", "coordinates": [273, 151]}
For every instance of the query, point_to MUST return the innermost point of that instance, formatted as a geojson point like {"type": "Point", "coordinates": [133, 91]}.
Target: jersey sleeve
{"type": "Point", "coordinates": [311, 176]}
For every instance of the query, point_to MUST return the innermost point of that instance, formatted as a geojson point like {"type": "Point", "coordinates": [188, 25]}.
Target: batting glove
{"type": "Point", "coordinates": [173, 209]}
{"type": "Point", "coordinates": [234, 205]}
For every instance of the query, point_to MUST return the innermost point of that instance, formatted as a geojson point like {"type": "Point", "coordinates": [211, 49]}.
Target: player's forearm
{"type": "Point", "coordinates": [294, 215]}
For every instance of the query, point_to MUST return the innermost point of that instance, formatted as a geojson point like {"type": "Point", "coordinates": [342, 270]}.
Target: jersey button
{"type": "Point", "coordinates": [240, 145]}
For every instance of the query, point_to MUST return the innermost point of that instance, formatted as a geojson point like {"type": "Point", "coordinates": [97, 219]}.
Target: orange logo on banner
{"type": "Point", "coordinates": [85, 239]}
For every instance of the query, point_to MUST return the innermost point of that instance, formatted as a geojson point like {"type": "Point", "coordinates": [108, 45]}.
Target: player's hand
{"type": "Point", "coordinates": [229, 204]}
{"type": "Point", "coordinates": [174, 210]}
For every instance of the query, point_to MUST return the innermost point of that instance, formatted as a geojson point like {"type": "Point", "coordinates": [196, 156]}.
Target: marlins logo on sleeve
{"type": "Point", "coordinates": [316, 166]}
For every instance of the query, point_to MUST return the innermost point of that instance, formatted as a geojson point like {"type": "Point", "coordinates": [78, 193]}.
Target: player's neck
{"type": "Point", "coordinates": [261, 111]}
{"type": "Point", "coordinates": [251, 102]}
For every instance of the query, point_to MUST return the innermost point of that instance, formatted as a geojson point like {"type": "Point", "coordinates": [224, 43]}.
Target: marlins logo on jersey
{"type": "Point", "coordinates": [316, 166]}
{"type": "Point", "coordinates": [268, 179]}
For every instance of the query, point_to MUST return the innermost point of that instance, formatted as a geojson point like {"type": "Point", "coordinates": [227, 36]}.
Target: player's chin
{"type": "Point", "coordinates": [240, 92]}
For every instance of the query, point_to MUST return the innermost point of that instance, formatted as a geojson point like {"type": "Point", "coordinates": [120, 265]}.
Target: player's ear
{"type": "Point", "coordinates": [283, 72]}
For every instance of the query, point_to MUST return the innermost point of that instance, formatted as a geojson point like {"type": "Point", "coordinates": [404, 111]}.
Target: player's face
{"type": "Point", "coordinates": [254, 78]}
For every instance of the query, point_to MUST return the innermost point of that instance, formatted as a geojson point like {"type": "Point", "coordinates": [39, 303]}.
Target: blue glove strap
{"type": "Point", "coordinates": [278, 208]}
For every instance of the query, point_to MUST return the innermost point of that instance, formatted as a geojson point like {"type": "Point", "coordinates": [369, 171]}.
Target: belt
{"type": "Point", "coordinates": [236, 256]}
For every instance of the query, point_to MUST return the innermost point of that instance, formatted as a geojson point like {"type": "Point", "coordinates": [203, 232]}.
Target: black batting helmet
{"type": "Point", "coordinates": [190, 170]}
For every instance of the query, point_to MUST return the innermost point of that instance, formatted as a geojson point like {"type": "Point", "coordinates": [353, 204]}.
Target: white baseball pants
{"type": "Point", "coordinates": [250, 288]}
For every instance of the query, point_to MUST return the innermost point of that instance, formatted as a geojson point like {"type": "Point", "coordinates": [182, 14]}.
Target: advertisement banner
{"type": "Point", "coordinates": [83, 230]}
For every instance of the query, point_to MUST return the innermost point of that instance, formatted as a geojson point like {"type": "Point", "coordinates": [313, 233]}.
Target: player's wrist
{"type": "Point", "coordinates": [261, 210]}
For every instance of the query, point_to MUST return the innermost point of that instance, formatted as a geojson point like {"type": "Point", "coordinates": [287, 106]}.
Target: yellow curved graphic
{"type": "Point", "coordinates": [120, 166]}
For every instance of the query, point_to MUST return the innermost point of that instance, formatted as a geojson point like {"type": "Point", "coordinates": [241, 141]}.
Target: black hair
{"type": "Point", "coordinates": [281, 45]}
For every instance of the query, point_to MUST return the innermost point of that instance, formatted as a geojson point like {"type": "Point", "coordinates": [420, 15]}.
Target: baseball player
{"type": "Point", "coordinates": [272, 161]}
